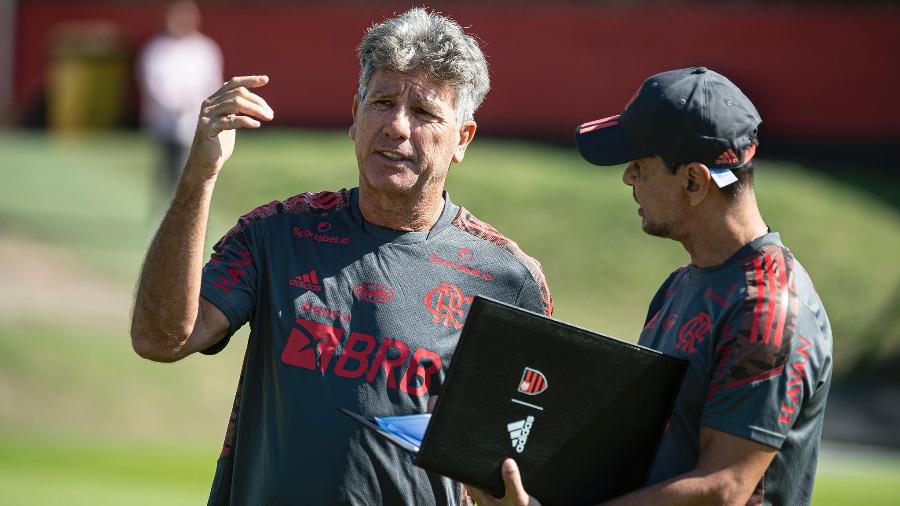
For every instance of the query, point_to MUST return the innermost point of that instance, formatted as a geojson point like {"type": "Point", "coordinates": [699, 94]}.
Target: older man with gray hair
{"type": "Point", "coordinates": [355, 297]}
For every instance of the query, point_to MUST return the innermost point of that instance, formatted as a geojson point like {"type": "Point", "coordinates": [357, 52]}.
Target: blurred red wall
{"type": "Point", "coordinates": [814, 73]}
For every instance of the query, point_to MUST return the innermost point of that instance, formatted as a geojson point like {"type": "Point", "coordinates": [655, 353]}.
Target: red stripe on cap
{"type": "Point", "coordinates": [601, 120]}
{"type": "Point", "coordinates": [597, 124]}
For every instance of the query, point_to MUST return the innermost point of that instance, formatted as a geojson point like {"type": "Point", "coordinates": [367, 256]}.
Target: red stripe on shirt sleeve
{"type": "Point", "coordinates": [760, 292]}
{"type": "Point", "coordinates": [772, 289]}
{"type": "Point", "coordinates": [782, 298]}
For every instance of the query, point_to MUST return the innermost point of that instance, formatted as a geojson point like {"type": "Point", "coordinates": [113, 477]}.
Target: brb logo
{"type": "Point", "coordinates": [445, 303]}
{"type": "Point", "coordinates": [313, 345]}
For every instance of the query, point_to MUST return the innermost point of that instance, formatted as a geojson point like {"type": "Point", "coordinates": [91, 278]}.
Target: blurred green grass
{"type": "Point", "coordinates": [52, 471]}
{"type": "Point", "coordinates": [65, 383]}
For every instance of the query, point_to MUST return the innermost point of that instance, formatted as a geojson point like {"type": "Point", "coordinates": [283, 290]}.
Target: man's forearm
{"type": "Point", "coordinates": [686, 489]}
{"type": "Point", "coordinates": [166, 304]}
{"type": "Point", "coordinates": [728, 469]}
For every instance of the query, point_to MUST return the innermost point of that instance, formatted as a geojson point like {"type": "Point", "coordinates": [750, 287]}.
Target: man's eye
{"type": "Point", "coordinates": [381, 104]}
{"type": "Point", "coordinates": [424, 112]}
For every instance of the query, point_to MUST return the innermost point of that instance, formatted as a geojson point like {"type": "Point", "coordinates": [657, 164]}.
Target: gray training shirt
{"type": "Point", "coordinates": [759, 346]}
{"type": "Point", "coordinates": [346, 314]}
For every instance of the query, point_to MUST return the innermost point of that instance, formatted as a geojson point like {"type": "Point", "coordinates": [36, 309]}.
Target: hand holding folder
{"type": "Point", "coordinates": [515, 493]}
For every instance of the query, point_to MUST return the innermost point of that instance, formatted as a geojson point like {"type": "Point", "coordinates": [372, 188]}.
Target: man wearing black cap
{"type": "Point", "coordinates": [747, 423]}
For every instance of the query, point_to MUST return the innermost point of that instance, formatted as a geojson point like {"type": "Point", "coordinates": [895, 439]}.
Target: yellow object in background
{"type": "Point", "coordinates": [88, 77]}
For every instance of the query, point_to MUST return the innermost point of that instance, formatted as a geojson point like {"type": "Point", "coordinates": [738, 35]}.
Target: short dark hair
{"type": "Point", "coordinates": [743, 174]}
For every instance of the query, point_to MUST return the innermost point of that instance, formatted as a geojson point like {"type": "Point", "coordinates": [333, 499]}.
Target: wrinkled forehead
{"type": "Point", "coordinates": [419, 85]}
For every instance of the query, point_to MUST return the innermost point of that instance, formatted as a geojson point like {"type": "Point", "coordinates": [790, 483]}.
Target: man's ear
{"type": "Point", "coordinates": [352, 132]}
{"type": "Point", "coordinates": [697, 182]}
{"type": "Point", "coordinates": [466, 134]}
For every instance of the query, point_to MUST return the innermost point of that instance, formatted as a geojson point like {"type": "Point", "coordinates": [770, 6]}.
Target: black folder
{"type": "Point", "coordinates": [581, 413]}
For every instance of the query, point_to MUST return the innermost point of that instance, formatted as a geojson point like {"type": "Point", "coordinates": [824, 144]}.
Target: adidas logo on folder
{"type": "Point", "coordinates": [518, 432]}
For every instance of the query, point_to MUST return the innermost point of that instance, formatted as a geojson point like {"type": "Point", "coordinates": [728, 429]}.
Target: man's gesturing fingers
{"type": "Point", "coordinates": [234, 106]}
{"type": "Point", "coordinates": [232, 122]}
{"type": "Point", "coordinates": [219, 115]}
{"type": "Point", "coordinates": [240, 93]}
{"type": "Point", "coordinates": [246, 81]}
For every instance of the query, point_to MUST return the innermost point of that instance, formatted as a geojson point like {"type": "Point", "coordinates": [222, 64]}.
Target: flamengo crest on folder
{"type": "Point", "coordinates": [533, 382]}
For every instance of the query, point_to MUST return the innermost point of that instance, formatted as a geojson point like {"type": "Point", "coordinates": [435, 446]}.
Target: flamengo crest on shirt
{"type": "Point", "coordinates": [445, 303]}
{"type": "Point", "coordinates": [519, 431]}
{"type": "Point", "coordinates": [533, 382]}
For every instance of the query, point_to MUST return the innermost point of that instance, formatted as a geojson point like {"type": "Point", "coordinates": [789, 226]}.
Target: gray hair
{"type": "Point", "coordinates": [427, 41]}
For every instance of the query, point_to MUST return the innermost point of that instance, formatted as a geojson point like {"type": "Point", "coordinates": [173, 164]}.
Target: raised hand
{"type": "Point", "coordinates": [233, 106]}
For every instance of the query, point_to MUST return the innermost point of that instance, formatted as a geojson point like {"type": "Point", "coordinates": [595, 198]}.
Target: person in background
{"type": "Point", "coordinates": [176, 70]}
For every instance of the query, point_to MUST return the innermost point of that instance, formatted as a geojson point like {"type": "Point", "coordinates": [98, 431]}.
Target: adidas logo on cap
{"type": "Point", "coordinates": [518, 433]}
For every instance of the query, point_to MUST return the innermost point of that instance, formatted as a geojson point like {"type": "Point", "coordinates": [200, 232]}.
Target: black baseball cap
{"type": "Point", "coordinates": [684, 115]}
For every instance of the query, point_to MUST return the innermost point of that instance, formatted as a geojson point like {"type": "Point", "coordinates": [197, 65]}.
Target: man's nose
{"type": "Point", "coordinates": [398, 124]}
{"type": "Point", "coordinates": [629, 174]}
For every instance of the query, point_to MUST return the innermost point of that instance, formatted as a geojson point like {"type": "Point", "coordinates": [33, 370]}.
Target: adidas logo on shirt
{"type": "Point", "coordinates": [518, 432]}
{"type": "Point", "coordinates": [308, 281]}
